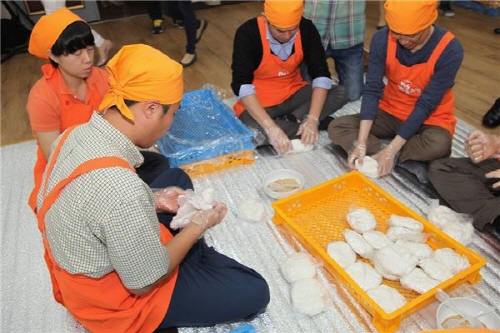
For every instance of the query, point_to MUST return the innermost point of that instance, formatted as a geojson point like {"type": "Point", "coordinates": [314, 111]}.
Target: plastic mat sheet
{"type": "Point", "coordinates": [25, 295]}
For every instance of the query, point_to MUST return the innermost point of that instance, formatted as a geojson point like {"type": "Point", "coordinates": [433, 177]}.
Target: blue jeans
{"type": "Point", "coordinates": [349, 67]}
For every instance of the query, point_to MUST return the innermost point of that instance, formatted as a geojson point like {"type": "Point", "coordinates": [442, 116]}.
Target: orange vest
{"type": "Point", "coordinates": [275, 80]}
{"type": "Point", "coordinates": [71, 114]}
{"type": "Point", "coordinates": [405, 85]}
{"type": "Point", "coordinates": [103, 304]}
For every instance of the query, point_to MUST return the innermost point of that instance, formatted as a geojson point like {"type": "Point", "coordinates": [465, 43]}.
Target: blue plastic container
{"type": "Point", "coordinates": [203, 128]}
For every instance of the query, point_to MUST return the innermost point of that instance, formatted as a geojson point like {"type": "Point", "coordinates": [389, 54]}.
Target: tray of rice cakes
{"type": "Point", "coordinates": [388, 257]}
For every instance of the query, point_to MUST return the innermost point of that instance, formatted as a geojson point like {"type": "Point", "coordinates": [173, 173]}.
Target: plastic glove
{"type": "Point", "coordinates": [494, 174]}
{"type": "Point", "coordinates": [166, 199]}
{"type": "Point", "coordinates": [277, 137]}
{"type": "Point", "coordinates": [386, 159]}
{"type": "Point", "coordinates": [308, 130]}
{"type": "Point", "coordinates": [480, 146]}
{"type": "Point", "coordinates": [206, 219]}
{"type": "Point", "coordinates": [358, 153]}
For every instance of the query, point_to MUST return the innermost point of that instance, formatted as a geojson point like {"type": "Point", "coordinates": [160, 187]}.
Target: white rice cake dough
{"type": "Point", "coordinates": [361, 220]}
{"type": "Point", "coordinates": [358, 243]}
{"type": "Point", "coordinates": [364, 275]}
{"type": "Point", "coordinates": [298, 266]}
{"type": "Point", "coordinates": [395, 233]}
{"type": "Point", "coordinates": [299, 147]}
{"type": "Point", "coordinates": [388, 298]}
{"type": "Point", "coordinates": [454, 261]}
{"type": "Point", "coordinates": [405, 222]}
{"type": "Point", "coordinates": [309, 297]}
{"type": "Point", "coordinates": [342, 253]}
{"type": "Point", "coordinates": [417, 280]}
{"type": "Point", "coordinates": [369, 167]}
{"type": "Point", "coordinates": [435, 269]}
{"type": "Point", "coordinates": [421, 250]}
{"type": "Point", "coordinates": [253, 210]}
{"type": "Point", "coordinates": [394, 261]}
{"type": "Point", "coordinates": [460, 231]}
{"type": "Point", "coordinates": [376, 239]}
{"type": "Point", "coordinates": [441, 216]}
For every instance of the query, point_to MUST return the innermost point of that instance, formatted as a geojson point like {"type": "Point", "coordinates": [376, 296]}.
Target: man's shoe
{"type": "Point", "coordinates": [179, 24]}
{"type": "Point", "coordinates": [497, 31]}
{"type": "Point", "coordinates": [493, 229]}
{"type": "Point", "coordinates": [188, 59]}
{"type": "Point", "coordinates": [445, 9]}
{"type": "Point", "coordinates": [157, 27]}
{"type": "Point", "coordinates": [492, 118]}
{"type": "Point", "coordinates": [201, 30]}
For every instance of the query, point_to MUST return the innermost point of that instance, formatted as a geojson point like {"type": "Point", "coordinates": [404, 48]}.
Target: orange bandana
{"type": "Point", "coordinates": [409, 17]}
{"type": "Point", "coordinates": [48, 29]}
{"type": "Point", "coordinates": [141, 73]}
{"type": "Point", "coordinates": [284, 14]}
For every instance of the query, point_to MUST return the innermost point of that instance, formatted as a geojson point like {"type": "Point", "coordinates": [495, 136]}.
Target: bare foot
{"type": "Point", "coordinates": [103, 52]}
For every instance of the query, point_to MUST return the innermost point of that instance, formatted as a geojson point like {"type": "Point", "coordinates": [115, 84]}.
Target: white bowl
{"type": "Point", "coordinates": [471, 307]}
{"type": "Point", "coordinates": [282, 174]}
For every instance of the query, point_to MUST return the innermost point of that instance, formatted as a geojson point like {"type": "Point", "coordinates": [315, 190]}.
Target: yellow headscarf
{"type": "Point", "coordinates": [48, 29]}
{"type": "Point", "coordinates": [284, 14]}
{"type": "Point", "coordinates": [141, 73]}
{"type": "Point", "coordinates": [409, 17]}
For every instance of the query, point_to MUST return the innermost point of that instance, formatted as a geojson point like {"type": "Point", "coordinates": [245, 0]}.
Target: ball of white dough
{"type": "Point", "coordinates": [364, 275]}
{"type": "Point", "coordinates": [252, 210]}
{"type": "Point", "coordinates": [369, 167]}
{"type": "Point", "coordinates": [454, 261]}
{"type": "Point", "coordinates": [376, 239]}
{"type": "Point", "coordinates": [298, 266]}
{"type": "Point", "coordinates": [361, 220]}
{"type": "Point", "coordinates": [342, 253]}
{"type": "Point", "coordinates": [358, 243]}
{"type": "Point", "coordinates": [309, 297]}
{"type": "Point", "coordinates": [405, 222]}
{"type": "Point", "coordinates": [388, 298]}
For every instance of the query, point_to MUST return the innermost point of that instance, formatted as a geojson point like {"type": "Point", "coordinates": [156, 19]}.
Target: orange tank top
{"type": "Point", "coordinates": [103, 304]}
{"type": "Point", "coordinates": [405, 85]}
{"type": "Point", "coordinates": [71, 114]}
{"type": "Point", "coordinates": [275, 80]}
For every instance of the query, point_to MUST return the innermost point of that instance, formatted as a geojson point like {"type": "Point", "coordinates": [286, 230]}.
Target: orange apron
{"type": "Point", "coordinates": [103, 304]}
{"type": "Point", "coordinates": [405, 85]}
{"type": "Point", "coordinates": [71, 114]}
{"type": "Point", "coordinates": [275, 80]}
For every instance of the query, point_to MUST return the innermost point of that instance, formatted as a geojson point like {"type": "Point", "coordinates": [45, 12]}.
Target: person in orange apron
{"type": "Point", "coordinates": [273, 98]}
{"type": "Point", "coordinates": [472, 185]}
{"type": "Point", "coordinates": [71, 87]}
{"type": "Point", "coordinates": [414, 111]}
{"type": "Point", "coordinates": [113, 265]}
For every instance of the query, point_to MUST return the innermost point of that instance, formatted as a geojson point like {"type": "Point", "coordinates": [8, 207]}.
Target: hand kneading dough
{"type": "Point", "coordinates": [405, 222]}
{"type": "Point", "coordinates": [252, 210]}
{"type": "Point", "coordinates": [309, 297]}
{"type": "Point", "coordinates": [454, 261]}
{"type": "Point", "coordinates": [377, 239]}
{"type": "Point", "coordinates": [361, 220]}
{"type": "Point", "coordinates": [298, 266]}
{"type": "Point", "coordinates": [394, 261]}
{"type": "Point", "coordinates": [421, 250]}
{"type": "Point", "coordinates": [342, 253]}
{"type": "Point", "coordinates": [388, 298]}
{"type": "Point", "coordinates": [369, 167]}
{"type": "Point", "coordinates": [358, 243]}
{"type": "Point", "coordinates": [435, 269]}
{"type": "Point", "coordinates": [364, 275]}
{"type": "Point", "coordinates": [417, 280]}
{"type": "Point", "coordinates": [395, 233]}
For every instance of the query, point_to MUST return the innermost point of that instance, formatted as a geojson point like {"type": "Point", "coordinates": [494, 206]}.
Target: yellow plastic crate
{"type": "Point", "coordinates": [317, 216]}
{"type": "Point", "coordinates": [219, 163]}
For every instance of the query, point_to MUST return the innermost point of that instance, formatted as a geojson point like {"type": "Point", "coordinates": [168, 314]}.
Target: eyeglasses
{"type": "Point", "coordinates": [411, 38]}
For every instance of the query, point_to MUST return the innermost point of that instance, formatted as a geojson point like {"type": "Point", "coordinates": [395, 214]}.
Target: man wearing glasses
{"type": "Point", "coordinates": [273, 98]}
{"type": "Point", "coordinates": [414, 111]}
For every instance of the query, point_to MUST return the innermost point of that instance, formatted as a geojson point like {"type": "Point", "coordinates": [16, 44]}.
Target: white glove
{"type": "Point", "coordinates": [386, 160]}
{"type": "Point", "coordinates": [277, 137]}
{"type": "Point", "coordinates": [358, 153]}
{"type": "Point", "coordinates": [308, 130]}
{"type": "Point", "coordinates": [206, 219]}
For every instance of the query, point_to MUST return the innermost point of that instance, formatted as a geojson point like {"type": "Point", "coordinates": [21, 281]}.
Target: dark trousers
{"type": "Point", "coordinates": [465, 189]}
{"type": "Point", "coordinates": [211, 288]}
{"type": "Point", "coordinates": [154, 165]}
{"type": "Point", "coordinates": [296, 107]}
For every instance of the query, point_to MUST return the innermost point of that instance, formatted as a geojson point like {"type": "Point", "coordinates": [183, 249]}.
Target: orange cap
{"type": "Point", "coordinates": [284, 14]}
{"type": "Point", "coordinates": [48, 29]}
{"type": "Point", "coordinates": [141, 73]}
{"type": "Point", "coordinates": [409, 17]}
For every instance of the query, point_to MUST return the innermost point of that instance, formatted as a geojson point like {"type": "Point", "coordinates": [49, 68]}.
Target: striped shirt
{"type": "Point", "coordinates": [104, 220]}
{"type": "Point", "coordinates": [341, 23]}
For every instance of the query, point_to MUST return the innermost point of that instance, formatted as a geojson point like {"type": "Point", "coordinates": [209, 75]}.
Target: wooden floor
{"type": "Point", "coordinates": [477, 86]}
